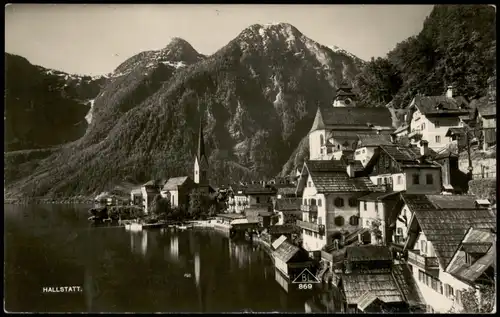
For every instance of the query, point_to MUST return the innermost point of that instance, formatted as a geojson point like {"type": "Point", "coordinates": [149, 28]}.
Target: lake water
{"type": "Point", "coordinates": [149, 271]}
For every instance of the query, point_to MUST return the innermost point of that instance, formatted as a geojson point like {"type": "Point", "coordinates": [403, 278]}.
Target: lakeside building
{"type": "Point", "coordinates": [329, 190]}
{"type": "Point", "coordinates": [448, 251]}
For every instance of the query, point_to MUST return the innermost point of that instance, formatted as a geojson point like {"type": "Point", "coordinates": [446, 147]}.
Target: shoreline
{"type": "Point", "coordinates": [49, 201]}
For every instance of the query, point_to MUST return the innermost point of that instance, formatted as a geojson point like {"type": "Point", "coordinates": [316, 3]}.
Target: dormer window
{"type": "Point", "coordinates": [468, 259]}
{"type": "Point", "coordinates": [439, 106]}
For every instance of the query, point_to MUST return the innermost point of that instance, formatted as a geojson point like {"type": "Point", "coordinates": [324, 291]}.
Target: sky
{"type": "Point", "coordinates": [94, 39]}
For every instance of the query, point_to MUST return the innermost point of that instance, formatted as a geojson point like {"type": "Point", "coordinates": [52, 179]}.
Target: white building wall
{"type": "Point", "coordinates": [374, 211]}
{"type": "Point", "coordinates": [398, 182]}
{"type": "Point", "coordinates": [433, 127]}
{"type": "Point", "coordinates": [364, 154]}
{"type": "Point", "coordinates": [422, 187]}
{"type": "Point", "coordinates": [315, 144]}
{"type": "Point", "coordinates": [402, 227]}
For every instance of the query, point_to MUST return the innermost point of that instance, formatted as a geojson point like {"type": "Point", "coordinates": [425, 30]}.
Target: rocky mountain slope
{"type": "Point", "coordinates": [258, 96]}
{"type": "Point", "coordinates": [44, 107]}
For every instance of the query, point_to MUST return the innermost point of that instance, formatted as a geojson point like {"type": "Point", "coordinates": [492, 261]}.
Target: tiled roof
{"type": "Point", "coordinates": [373, 139]}
{"type": "Point", "coordinates": [358, 116]}
{"type": "Point", "coordinates": [444, 153]}
{"type": "Point", "coordinates": [283, 204]}
{"type": "Point", "coordinates": [475, 242]}
{"type": "Point", "coordinates": [286, 251]}
{"type": "Point", "coordinates": [427, 202]}
{"type": "Point", "coordinates": [367, 299]}
{"type": "Point", "coordinates": [407, 284]}
{"type": "Point", "coordinates": [231, 216]}
{"type": "Point", "coordinates": [278, 242]}
{"type": "Point", "coordinates": [427, 105]}
{"type": "Point", "coordinates": [368, 253]}
{"type": "Point", "coordinates": [326, 166]}
{"type": "Point", "coordinates": [172, 183]}
{"type": "Point", "coordinates": [341, 182]}
{"type": "Point", "coordinates": [378, 196]}
{"type": "Point", "coordinates": [445, 228]}
{"type": "Point", "coordinates": [381, 285]}
{"type": "Point", "coordinates": [402, 153]}
{"type": "Point", "coordinates": [454, 130]}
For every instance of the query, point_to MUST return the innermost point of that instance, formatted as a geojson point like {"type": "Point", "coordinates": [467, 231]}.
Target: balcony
{"type": "Point", "coordinates": [311, 226]}
{"type": "Point", "coordinates": [426, 263]}
{"type": "Point", "coordinates": [309, 208]}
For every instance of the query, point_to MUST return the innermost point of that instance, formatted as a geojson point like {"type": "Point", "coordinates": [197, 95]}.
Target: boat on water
{"type": "Point", "coordinates": [135, 227]}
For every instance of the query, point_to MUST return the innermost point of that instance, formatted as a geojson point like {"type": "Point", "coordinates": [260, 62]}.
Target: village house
{"type": "Point", "coordinates": [259, 195]}
{"type": "Point", "coordinates": [371, 282]}
{"type": "Point", "coordinates": [453, 179]}
{"type": "Point", "coordinates": [486, 119]}
{"type": "Point", "coordinates": [407, 169]}
{"type": "Point", "coordinates": [149, 191]}
{"type": "Point", "coordinates": [288, 210]}
{"type": "Point", "coordinates": [335, 129]}
{"type": "Point", "coordinates": [238, 200]}
{"type": "Point", "coordinates": [430, 117]}
{"type": "Point", "coordinates": [290, 231]}
{"type": "Point", "coordinates": [367, 144]}
{"type": "Point", "coordinates": [434, 237]}
{"type": "Point", "coordinates": [289, 259]}
{"type": "Point", "coordinates": [410, 203]}
{"type": "Point", "coordinates": [330, 190]}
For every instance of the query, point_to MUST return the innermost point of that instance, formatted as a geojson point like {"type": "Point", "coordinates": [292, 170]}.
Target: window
{"type": "Point", "coordinates": [313, 202]}
{"type": "Point", "coordinates": [423, 126]}
{"type": "Point", "coordinates": [319, 202]}
{"type": "Point", "coordinates": [458, 296]}
{"type": "Point", "coordinates": [367, 223]}
{"type": "Point", "coordinates": [400, 179]}
{"type": "Point", "coordinates": [339, 221]}
{"type": "Point", "coordinates": [365, 205]}
{"type": "Point", "coordinates": [438, 139]}
{"type": "Point", "coordinates": [321, 140]}
{"type": "Point", "coordinates": [448, 291]}
{"type": "Point", "coordinates": [309, 184]}
{"type": "Point", "coordinates": [468, 258]}
{"type": "Point", "coordinates": [423, 247]}
{"type": "Point", "coordinates": [363, 151]}
{"type": "Point", "coordinates": [376, 206]}
{"type": "Point", "coordinates": [379, 181]}
{"type": "Point", "coordinates": [321, 151]}
{"type": "Point", "coordinates": [353, 202]}
{"type": "Point", "coordinates": [339, 202]}
{"type": "Point", "coordinates": [399, 231]}
{"type": "Point", "coordinates": [320, 221]}
{"type": "Point", "coordinates": [421, 276]}
{"type": "Point", "coordinates": [440, 287]}
{"type": "Point", "coordinates": [315, 235]}
{"type": "Point", "coordinates": [416, 178]}
{"type": "Point", "coordinates": [428, 179]}
{"type": "Point", "coordinates": [354, 220]}
{"type": "Point", "coordinates": [437, 124]}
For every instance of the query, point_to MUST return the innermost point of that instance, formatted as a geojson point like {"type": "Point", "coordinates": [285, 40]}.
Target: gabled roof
{"type": "Point", "coordinates": [402, 153]}
{"type": "Point", "coordinates": [173, 182]}
{"type": "Point", "coordinates": [373, 140]}
{"type": "Point", "coordinates": [368, 253]}
{"type": "Point", "coordinates": [477, 242]}
{"type": "Point", "coordinates": [446, 228]}
{"type": "Point", "coordinates": [286, 251]}
{"type": "Point", "coordinates": [428, 202]}
{"type": "Point", "coordinates": [407, 284]}
{"type": "Point", "coordinates": [381, 285]}
{"type": "Point", "coordinates": [154, 182]}
{"type": "Point", "coordinates": [487, 110]}
{"type": "Point", "coordinates": [455, 131]}
{"type": "Point", "coordinates": [278, 242]}
{"type": "Point", "coordinates": [368, 299]}
{"type": "Point", "coordinates": [448, 106]}
{"type": "Point", "coordinates": [353, 116]}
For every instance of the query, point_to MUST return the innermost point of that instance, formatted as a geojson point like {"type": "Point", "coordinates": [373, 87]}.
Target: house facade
{"type": "Point", "coordinates": [434, 237]}
{"type": "Point", "coordinates": [336, 128]}
{"type": "Point", "coordinates": [368, 143]}
{"type": "Point", "coordinates": [430, 117]}
{"type": "Point", "coordinates": [375, 208]}
{"type": "Point", "coordinates": [329, 201]}
{"type": "Point", "coordinates": [177, 190]}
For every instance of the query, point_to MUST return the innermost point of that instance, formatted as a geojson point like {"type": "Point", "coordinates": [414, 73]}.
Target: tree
{"type": "Point", "coordinates": [199, 204]}
{"type": "Point", "coordinates": [472, 304]}
{"type": "Point", "coordinates": [161, 207]}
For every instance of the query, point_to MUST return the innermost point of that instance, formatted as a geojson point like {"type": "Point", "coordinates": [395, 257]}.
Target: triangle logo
{"type": "Point", "coordinates": [306, 277]}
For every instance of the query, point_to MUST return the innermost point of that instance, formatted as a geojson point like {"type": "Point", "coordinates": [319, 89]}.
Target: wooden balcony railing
{"type": "Point", "coordinates": [311, 226]}
{"type": "Point", "coordinates": [309, 208]}
{"type": "Point", "coordinates": [424, 262]}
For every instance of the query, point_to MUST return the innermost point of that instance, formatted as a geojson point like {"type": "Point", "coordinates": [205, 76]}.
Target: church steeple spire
{"type": "Point", "coordinates": [200, 160]}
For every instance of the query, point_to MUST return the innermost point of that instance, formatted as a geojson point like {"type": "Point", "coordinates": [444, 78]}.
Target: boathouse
{"type": "Point", "coordinates": [291, 260]}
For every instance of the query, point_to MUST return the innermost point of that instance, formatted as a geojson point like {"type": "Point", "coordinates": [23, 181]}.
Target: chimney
{"type": "Point", "coordinates": [449, 92]}
{"type": "Point", "coordinates": [350, 169]}
{"type": "Point", "coordinates": [424, 148]}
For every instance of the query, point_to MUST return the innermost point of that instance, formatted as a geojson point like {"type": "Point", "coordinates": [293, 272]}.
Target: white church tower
{"type": "Point", "coordinates": [345, 97]}
{"type": "Point", "coordinates": [201, 161]}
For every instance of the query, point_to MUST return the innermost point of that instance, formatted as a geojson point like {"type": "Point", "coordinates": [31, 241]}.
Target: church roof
{"type": "Point", "coordinates": [352, 116]}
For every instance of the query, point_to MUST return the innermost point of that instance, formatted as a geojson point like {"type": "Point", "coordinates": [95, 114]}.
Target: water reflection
{"type": "Point", "coordinates": [139, 242]}
{"type": "Point", "coordinates": [241, 253]}
{"type": "Point", "coordinates": [197, 268]}
{"type": "Point", "coordinates": [174, 247]}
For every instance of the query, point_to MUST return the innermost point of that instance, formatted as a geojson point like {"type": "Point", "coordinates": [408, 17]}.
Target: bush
{"type": "Point", "coordinates": [126, 212]}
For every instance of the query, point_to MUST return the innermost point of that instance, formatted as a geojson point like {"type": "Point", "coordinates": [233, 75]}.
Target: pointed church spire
{"type": "Point", "coordinates": [201, 142]}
